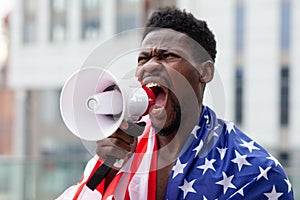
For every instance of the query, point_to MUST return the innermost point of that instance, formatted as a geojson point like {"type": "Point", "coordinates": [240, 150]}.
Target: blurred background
{"type": "Point", "coordinates": [42, 42]}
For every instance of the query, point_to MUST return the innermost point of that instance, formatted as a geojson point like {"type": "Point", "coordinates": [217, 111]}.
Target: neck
{"type": "Point", "coordinates": [170, 146]}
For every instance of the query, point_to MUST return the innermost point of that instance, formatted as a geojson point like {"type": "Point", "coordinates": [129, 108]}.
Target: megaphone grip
{"type": "Point", "coordinates": [135, 129]}
{"type": "Point", "coordinates": [101, 173]}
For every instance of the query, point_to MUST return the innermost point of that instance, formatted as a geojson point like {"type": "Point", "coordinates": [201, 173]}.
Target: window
{"type": "Point", "coordinates": [285, 24]}
{"type": "Point", "coordinates": [29, 21]}
{"type": "Point", "coordinates": [239, 51]}
{"type": "Point", "coordinates": [127, 15]}
{"type": "Point", "coordinates": [284, 96]}
{"type": "Point", "coordinates": [162, 4]}
{"type": "Point", "coordinates": [49, 102]}
{"type": "Point", "coordinates": [239, 86]}
{"type": "Point", "coordinates": [58, 30]}
{"type": "Point", "coordinates": [91, 23]}
{"type": "Point", "coordinates": [285, 30]}
{"type": "Point", "coordinates": [239, 26]}
{"type": "Point", "coordinates": [61, 157]}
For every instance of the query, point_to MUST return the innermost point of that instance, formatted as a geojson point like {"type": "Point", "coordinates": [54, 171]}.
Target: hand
{"type": "Point", "coordinates": [120, 144]}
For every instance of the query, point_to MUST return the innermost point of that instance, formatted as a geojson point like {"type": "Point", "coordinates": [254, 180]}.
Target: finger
{"type": "Point", "coordinates": [133, 145]}
{"type": "Point", "coordinates": [122, 136]}
{"type": "Point", "coordinates": [112, 151]}
{"type": "Point", "coordinates": [112, 147]}
{"type": "Point", "coordinates": [114, 142]}
{"type": "Point", "coordinates": [124, 125]}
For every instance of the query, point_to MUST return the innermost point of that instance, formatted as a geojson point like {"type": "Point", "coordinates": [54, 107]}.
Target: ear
{"type": "Point", "coordinates": [206, 70]}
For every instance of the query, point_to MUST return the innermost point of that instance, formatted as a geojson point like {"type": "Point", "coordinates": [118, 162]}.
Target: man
{"type": "Point", "coordinates": [185, 152]}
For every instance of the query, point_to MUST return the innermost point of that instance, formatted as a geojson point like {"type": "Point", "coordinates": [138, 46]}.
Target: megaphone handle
{"type": "Point", "coordinates": [103, 170]}
{"type": "Point", "coordinates": [101, 173]}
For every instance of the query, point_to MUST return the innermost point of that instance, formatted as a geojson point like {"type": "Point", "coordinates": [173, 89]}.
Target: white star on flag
{"type": "Point", "coordinates": [240, 191]}
{"type": "Point", "coordinates": [215, 130]}
{"type": "Point", "coordinates": [230, 127]}
{"type": "Point", "coordinates": [263, 173]}
{"type": "Point", "coordinates": [273, 195]}
{"type": "Point", "coordinates": [213, 133]}
{"type": "Point", "coordinates": [226, 182]}
{"type": "Point", "coordinates": [288, 184]}
{"type": "Point", "coordinates": [178, 168]}
{"type": "Point", "coordinates": [194, 131]}
{"type": "Point", "coordinates": [207, 118]}
{"type": "Point", "coordinates": [222, 152]}
{"type": "Point", "coordinates": [208, 165]}
{"type": "Point", "coordinates": [198, 148]}
{"type": "Point", "coordinates": [249, 145]}
{"type": "Point", "coordinates": [187, 187]}
{"type": "Point", "coordinates": [240, 160]}
{"type": "Point", "coordinates": [274, 159]}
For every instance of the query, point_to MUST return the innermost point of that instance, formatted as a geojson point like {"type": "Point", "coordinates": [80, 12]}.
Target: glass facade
{"type": "Point", "coordinates": [29, 21]}
{"type": "Point", "coordinates": [239, 54]}
{"type": "Point", "coordinates": [58, 20]}
{"type": "Point", "coordinates": [53, 159]}
{"type": "Point", "coordinates": [127, 15]}
{"type": "Point", "coordinates": [45, 178]}
{"type": "Point", "coordinates": [284, 96]}
{"type": "Point", "coordinates": [239, 86]}
{"type": "Point", "coordinates": [91, 18]}
{"type": "Point", "coordinates": [285, 31]}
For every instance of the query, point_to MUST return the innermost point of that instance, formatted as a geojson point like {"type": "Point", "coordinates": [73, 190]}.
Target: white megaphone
{"type": "Point", "coordinates": [93, 102]}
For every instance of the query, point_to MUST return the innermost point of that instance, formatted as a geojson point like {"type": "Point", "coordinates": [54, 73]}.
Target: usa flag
{"type": "Point", "coordinates": [221, 162]}
{"type": "Point", "coordinates": [218, 161]}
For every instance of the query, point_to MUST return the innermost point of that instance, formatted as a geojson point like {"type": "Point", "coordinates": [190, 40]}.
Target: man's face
{"type": "Point", "coordinates": [167, 65]}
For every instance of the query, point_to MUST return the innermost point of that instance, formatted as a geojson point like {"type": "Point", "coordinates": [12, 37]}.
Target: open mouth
{"type": "Point", "coordinates": [161, 95]}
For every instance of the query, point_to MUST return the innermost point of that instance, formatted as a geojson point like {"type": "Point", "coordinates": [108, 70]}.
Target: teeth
{"type": "Point", "coordinates": [151, 84]}
{"type": "Point", "coordinates": [155, 110]}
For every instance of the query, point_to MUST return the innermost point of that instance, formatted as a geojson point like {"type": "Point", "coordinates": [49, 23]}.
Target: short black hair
{"type": "Point", "coordinates": [183, 22]}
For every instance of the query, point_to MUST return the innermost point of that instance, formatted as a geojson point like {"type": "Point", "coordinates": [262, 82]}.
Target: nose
{"type": "Point", "coordinates": [152, 67]}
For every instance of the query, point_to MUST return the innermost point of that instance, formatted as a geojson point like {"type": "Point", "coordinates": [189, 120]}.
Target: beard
{"type": "Point", "coordinates": [175, 124]}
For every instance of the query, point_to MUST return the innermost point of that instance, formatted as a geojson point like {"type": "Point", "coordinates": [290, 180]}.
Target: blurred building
{"type": "Point", "coordinates": [49, 40]}
{"type": "Point", "coordinates": [6, 101]}
{"type": "Point", "coordinates": [257, 63]}
{"type": "Point", "coordinates": [255, 84]}
{"type": "Point", "coordinates": [6, 95]}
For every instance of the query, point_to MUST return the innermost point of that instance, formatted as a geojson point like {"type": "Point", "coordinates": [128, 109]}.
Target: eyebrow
{"type": "Point", "coordinates": [146, 53]}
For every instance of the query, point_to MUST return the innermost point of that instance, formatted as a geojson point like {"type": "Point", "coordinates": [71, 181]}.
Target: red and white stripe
{"type": "Point", "coordinates": [135, 180]}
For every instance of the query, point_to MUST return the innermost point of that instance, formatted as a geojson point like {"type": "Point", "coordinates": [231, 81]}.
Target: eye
{"type": "Point", "coordinates": [170, 56]}
{"type": "Point", "coordinates": [142, 59]}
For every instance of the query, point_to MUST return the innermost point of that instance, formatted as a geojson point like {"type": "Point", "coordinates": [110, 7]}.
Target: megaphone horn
{"type": "Point", "coordinates": [93, 103]}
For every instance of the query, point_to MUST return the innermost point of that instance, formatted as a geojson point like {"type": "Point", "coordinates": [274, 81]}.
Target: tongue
{"type": "Point", "coordinates": [151, 98]}
{"type": "Point", "coordinates": [161, 99]}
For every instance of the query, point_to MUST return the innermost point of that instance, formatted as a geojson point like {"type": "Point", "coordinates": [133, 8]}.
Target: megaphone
{"type": "Point", "coordinates": [93, 102]}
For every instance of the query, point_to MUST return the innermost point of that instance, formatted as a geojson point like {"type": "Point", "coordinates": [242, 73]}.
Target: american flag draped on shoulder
{"type": "Point", "coordinates": [218, 161]}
